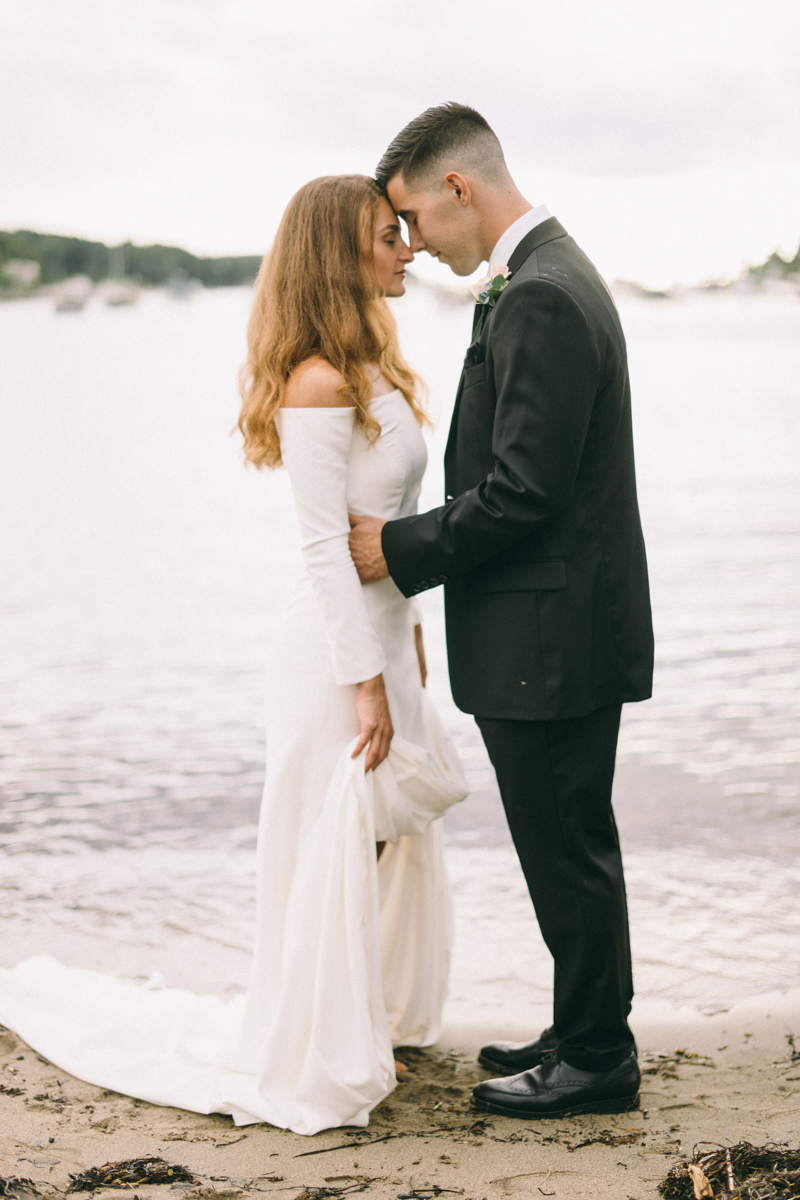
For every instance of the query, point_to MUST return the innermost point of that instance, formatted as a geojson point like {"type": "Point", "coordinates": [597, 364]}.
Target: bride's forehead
{"type": "Point", "coordinates": [386, 214]}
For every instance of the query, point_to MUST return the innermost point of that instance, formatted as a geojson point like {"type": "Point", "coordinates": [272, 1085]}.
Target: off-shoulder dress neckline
{"type": "Point", "coordinates": [337, 408]}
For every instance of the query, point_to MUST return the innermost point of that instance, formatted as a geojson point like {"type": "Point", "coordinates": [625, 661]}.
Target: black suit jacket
{"type": "Point", "coordinates": [539, 542]}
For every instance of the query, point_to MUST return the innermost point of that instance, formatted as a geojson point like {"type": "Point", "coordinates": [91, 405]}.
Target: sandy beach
{"type": "Point", "coordinates": [724, 1078]}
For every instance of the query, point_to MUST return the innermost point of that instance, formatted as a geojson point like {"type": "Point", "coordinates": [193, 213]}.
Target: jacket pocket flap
{"type": "Point", "coordinates": [549, 576]}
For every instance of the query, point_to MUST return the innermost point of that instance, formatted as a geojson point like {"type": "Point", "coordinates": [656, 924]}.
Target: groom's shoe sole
{"type": "Point", "coordinates": [621, 1105]}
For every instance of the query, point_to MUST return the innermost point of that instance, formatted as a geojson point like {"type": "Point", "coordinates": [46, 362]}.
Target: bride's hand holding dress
{"type": "Point", "coordinates": [372, 706]}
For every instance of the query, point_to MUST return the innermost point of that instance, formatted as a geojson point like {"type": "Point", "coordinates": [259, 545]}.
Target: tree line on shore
{"type": "Point", "coordinates": [61, 258]}
{"type": "Point", "coordinates": [776, 267]}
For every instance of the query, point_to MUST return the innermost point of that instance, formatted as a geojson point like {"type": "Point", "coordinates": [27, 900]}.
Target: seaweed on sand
{"type": "Point", "coordinates": [18, 1188]}
{"type": "Point", "coordinates": [666, 1064]}
{"type": "Point", "coordinates": [129, 1172]}
{"type": "Point", "coordinates": [740, 1172]}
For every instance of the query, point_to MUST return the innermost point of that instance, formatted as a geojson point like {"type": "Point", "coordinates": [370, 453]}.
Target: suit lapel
{"type": "Point", "coordinates": [449, 449]}
{"type": "Point", "coordinates": [478, 318]}
{"type": "Point", "coordinates": [547, 231]}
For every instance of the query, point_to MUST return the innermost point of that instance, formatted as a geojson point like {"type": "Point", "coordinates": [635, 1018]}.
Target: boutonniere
{"type": "Point", "coordinates": [487, 290]}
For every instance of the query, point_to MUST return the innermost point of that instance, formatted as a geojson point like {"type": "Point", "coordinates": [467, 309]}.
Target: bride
{"type": "Point", "coordinates": [353, 918]}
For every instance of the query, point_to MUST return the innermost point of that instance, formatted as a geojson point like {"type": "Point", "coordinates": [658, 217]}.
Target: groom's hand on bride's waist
{"type": "Point", "coordinates": [365, 548]}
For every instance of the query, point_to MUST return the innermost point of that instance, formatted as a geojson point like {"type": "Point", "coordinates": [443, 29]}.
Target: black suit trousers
{"type": "Point", "coordinates": [555, 779]}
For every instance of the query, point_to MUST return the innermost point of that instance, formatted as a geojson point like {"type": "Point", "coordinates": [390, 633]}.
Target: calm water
{"type": "Point", "coordinates": [143, 567]}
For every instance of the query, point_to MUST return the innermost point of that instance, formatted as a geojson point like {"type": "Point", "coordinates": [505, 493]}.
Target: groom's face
{"type": "Point", "coordinates": [441, 221]}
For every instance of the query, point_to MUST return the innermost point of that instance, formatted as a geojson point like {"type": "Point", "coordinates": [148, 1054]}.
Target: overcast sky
{"type": "Point", "coordinates": [665, 135]}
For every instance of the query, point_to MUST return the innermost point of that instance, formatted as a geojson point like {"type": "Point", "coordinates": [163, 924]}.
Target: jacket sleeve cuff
{"type": "Point", "coordinates": [411, 554]}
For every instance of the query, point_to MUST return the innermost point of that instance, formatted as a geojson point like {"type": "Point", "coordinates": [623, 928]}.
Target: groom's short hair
{"type": "Point", "coordinates": [447, 136]}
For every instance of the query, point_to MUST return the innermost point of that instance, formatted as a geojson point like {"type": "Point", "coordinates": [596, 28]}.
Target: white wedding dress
{"type": "Point", "coordinates": [351, 954]}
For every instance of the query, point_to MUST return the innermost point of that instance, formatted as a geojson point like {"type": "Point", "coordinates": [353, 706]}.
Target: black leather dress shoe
{"type": "Point", "coordinates": [509, 1058]}
{"type": "Point", "coordinates": [555, 1089]}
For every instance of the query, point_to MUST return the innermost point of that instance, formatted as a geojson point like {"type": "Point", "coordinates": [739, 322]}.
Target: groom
{"type": "Point", "coordinates": [540, 548]}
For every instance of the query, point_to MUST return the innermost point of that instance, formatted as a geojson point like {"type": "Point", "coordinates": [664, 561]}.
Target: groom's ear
{"type": "Point", "coordinates": [458, 187]}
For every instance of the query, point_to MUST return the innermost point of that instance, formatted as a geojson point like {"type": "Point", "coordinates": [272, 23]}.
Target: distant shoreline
{"type": "Point", "coordinates": [30, 261]}
{"type": "Point", "coordinates": [774, 275]}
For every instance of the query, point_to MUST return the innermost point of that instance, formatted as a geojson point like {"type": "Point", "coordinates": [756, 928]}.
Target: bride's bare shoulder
{"type": "Point", "coordinates": [316, 384]}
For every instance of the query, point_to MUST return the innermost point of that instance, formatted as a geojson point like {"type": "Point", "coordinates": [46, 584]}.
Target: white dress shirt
{"type": "Point", "coordinates": [512, 237]}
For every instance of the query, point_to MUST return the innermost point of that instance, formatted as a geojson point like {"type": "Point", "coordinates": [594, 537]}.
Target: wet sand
{"type": "Point", "coordinates": [743, 1084]}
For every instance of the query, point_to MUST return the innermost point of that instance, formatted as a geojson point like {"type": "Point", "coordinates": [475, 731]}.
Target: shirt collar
{"type": "Point", "coordinates": [512, 237]}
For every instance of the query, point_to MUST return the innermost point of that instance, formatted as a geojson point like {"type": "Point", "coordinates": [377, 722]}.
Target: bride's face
{"type": "Point", "coordinates": [390, 254]}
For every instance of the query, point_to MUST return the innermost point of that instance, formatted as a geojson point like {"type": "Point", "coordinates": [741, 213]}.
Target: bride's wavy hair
{"type": "Point", "coordinates": [317, 294]}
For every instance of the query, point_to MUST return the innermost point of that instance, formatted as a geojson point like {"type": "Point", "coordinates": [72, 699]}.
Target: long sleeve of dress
{"type": "Point", "coordinates": [315, 448]}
